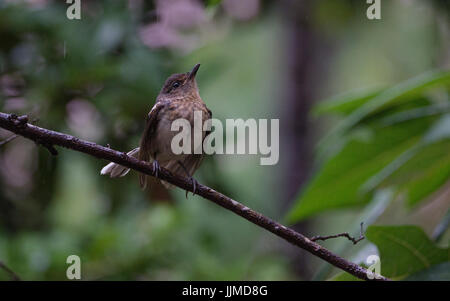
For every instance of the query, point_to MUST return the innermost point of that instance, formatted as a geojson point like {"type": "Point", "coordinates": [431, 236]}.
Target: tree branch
{"type": "Point", "coordinates": [50, 138]}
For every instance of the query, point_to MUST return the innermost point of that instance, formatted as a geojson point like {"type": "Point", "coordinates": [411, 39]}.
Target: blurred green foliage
{"type": "Point", "coordinates": [94, 78]}
{"type": "Point", "coordinates": [381, 155]}
{"type": "Point", "coordinates": [398, 138]}
{"type": "Point", "coordinates": [394, 140]}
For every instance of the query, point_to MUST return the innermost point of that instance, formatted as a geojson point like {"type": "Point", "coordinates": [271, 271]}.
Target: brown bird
{"type": "Point", "coordinates": [178, 98]}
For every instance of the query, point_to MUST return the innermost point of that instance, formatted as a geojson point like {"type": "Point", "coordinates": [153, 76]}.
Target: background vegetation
{"type": "Point", "coordinates": [378, 152]}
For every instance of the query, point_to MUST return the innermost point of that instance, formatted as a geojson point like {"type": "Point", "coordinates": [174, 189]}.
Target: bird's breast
{"type": "Point", "coordinates": [162, 141]}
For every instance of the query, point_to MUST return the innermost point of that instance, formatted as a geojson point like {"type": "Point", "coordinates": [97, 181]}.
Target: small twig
{"type": "Point", "coordinates": [52, 150]}
{"type": "Point", "coordinates": [13, 275]}
{"type": "Point", "coordinates": [345, 234]}
{"type": "Point", "coordinates": [9, 139]}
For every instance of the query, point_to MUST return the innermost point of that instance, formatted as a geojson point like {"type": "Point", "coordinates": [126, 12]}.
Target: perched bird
{"type": "Point", "coordinates": [178, 98]}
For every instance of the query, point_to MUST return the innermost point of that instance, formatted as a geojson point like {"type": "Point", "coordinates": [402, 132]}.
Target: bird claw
{"type": "Point", "coordinates": [194, 186]}
{"type": "Point", "coordinates": [156, 168]}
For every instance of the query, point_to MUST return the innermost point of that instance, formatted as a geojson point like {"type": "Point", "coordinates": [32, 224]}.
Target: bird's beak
{"type": "Point", "coordinates": [193, 72]}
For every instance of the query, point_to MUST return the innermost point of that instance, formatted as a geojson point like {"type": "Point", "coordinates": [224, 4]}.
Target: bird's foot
{"type": "Point", "coordinates": [194, 186]}
{"type": "Point", "coordinates": [156, 168]}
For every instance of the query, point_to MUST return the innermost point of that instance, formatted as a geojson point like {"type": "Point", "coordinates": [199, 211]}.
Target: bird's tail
{"type": "Point", "coordinates": [157, 193]}
{"type": "Point", "coordinates": [115, 170]}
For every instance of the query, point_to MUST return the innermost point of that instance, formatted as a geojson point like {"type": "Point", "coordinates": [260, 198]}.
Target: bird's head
{"type": "Point", "coordinates": [181, 84]}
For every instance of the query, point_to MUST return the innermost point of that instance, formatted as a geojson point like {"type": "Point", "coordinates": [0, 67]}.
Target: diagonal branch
{"type": "Point", "coordinates": [50, 138]}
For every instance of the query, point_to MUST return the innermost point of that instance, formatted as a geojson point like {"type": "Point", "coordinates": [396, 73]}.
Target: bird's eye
{"type": "Point", "coordinates": [175, 85]}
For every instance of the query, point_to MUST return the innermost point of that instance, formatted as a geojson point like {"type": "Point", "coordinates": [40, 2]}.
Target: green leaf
{"type": "Point", "coordinates": [367, 153]}
{"type": "Point", "coordinates": [406, 251]}
{"type": "Point", "coordinates": [398, 94]}
{"type": "Point", "coordinates": [414, 113]}
{"type": "Point", "coordinates": [425, 174]}
{"type": "Point", "coordinates": [428, 181]}
{"type": "Point", "coordinates": [346, 103]}
{"type": "Point", "coordinates": [338, 183]}
{"type": "Point", "coordinates": [402, 92]}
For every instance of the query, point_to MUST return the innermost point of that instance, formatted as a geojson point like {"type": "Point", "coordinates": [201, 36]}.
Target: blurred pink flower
{"type": "Point", "coordinates": [84, 119]}
{"type": "Point", "coordinates": [15, 104]}
{"type": "Point", "coordinates": [18, 163]}
{"type": "Point", "coordinates": [241, 9]}
{"type": "Point", "coordinates": [158, 35]}
{"type": "Point", "coordinates": [174, 16]}
{"type": "Point", "coordinates": [11, 85]}
{"type": "Point", "coordinates": [180, 13]}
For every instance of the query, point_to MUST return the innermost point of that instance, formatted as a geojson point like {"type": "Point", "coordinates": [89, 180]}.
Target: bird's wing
{"type": "Point", "coordinates": [209, 117]}
{"type": "Point", "coordinates": [150, 128]}
{"type": "Point", "coordinates": [149, 132]}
